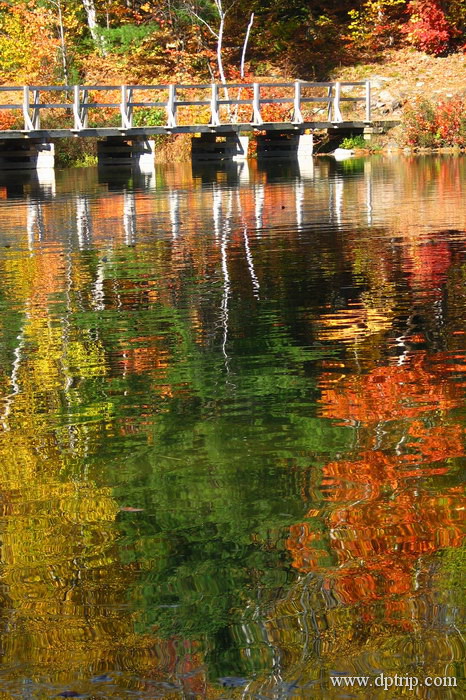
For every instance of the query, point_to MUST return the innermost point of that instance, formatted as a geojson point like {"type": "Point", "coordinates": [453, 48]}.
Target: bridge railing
{"type": "Point", "coordinates": [254, 103]}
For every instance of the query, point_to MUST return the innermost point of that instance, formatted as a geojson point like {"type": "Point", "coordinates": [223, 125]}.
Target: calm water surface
{"type": "Point", "coordinates": [232, 430]}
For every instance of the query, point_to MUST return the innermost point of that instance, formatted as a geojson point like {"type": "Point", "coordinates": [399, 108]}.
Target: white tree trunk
{"type": "Point", "coordinates": [63, 51]}
{"type": "Point", "coordinates": [221, 15]}
{"type": "Point", "coordinates": [91, 15]}
{"type": "Point", "coordinates": [57, 4]}
{"type": "Point", "coordinates": [243, 60]}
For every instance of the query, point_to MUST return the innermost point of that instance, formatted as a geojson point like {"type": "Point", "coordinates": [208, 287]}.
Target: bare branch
{"type": "Point", "coordinates": [198, 17]}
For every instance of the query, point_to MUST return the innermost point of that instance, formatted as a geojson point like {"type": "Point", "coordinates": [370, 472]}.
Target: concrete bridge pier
{"type": "Point", "coordinates": [135, 152]}
{"type": "Point", "coordinates": [26, 154]}
{"type": "Point", "coordinates": [225, 145]}
{"type": "Point", "coordinates": [285, 144]}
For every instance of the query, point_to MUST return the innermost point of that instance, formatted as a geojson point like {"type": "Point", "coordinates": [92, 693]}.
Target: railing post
{"type": "Point", "coordinates": [337, 117]}
{"type": "Point", "coordinates": [125, 109]}
{"type": "Point", "coordinates": [129, 106]}
{"type": "Point", "coordinates": [78, 124]}
{"type": "Point", "coordinates": [80, 113]}
{"type": "Point", "coordinates": [84, 108]}
{"type": "Point", "coordinates": [297, 117]}
{"type": "Point", "coordinates": [171, 106]}
{"type": "Point", "coordinates": [329, 107]}
{"type": "Point", "coordinates": [214, 114]}
{"type": "Point", "coordinates": [256, 104]}
{"type": "Point", "coordinates": [28, 125]}
{"type": "Point", "coordinates": [35, 111]}
{"type": "Point", "coordinates": [368, 100]}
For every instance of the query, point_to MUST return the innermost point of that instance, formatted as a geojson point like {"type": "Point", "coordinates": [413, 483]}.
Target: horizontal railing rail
{"type": "Point", "coordinates": [34, 101]}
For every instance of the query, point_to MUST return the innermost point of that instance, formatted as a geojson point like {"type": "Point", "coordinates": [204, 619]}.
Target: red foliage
{"type": "Point", "coordinates": [450, 121]}
{"type": "Point", "coordinates": [429, 30]}
{"type": "Point", "coordinates": [429, 125]}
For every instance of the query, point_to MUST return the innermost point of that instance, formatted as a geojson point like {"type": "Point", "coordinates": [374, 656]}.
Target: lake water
{"type": "Point", "coordinates": [232, 430]}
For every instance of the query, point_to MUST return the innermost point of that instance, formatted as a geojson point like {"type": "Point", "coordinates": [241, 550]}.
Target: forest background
{"type": "Point", "coordinates": [409, 49]}
{"type": "Point", "coordinates": [74, 41]}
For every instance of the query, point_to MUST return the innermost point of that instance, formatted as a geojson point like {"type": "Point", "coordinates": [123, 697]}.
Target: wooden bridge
{"type": "Point", "coordinates": [284, 117]}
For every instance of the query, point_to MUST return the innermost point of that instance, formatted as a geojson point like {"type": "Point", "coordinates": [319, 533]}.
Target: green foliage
{"type": "Point", "coordinates": [203, 8]}
{"type": "Point", "coordinates": [86, 160]}
{"type": "Point", "coordinates": [453, 566]}
{"type": "Point", "coordinates": [193, 545]}
{"type": "Point", "coordinates": [149, 116]}
{"type": "Point", "coordinates": [357, 141]}
{"type": "Point", "coordinates": [75, 153]}
{"type": "Point", "coordinates": [121, 40]}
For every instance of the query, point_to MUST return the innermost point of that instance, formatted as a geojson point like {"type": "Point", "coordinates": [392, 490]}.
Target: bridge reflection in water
{"type": "Point", "coordinates": [41, 187]}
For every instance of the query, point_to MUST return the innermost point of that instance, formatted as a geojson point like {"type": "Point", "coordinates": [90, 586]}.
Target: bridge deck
{"type": "Point", "coordinates": [103, 132]}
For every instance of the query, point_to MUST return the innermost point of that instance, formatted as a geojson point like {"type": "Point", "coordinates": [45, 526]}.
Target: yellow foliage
{"type": "Point", "coordinates": [28, 46]}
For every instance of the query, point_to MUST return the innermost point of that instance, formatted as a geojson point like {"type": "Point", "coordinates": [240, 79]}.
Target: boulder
{"type": "Point", "coordinates": [386, 97]}
{"type": "Point", "coordinates": [378, 81]}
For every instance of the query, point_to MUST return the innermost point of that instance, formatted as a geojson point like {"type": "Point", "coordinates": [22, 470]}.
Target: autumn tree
{"type": "Point", "coordinates": [428, 28]}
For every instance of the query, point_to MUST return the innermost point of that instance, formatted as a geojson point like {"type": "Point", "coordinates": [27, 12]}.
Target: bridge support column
{"type": "Point", "coordinates": [305, 145]}
{"type": "Point", "coordinates": [135, 152]}
{"type": "Point", "coordinates": [284, 144]}
{"type": "Point", "coordinates": [223, 146]}
{"type": "Point", "coordinates": [26, 154]}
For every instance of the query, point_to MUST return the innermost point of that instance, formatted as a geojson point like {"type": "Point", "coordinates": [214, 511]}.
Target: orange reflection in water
{"type": "Point", "coordinates": [382, 514]}
{"type": "Point", "coordinates": [390, 393]}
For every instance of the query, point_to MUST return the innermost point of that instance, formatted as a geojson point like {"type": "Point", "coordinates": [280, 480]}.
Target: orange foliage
{"type": "Point", "coordinates": [8, 120]}
{"type": "Point", "coordinates": [146, 358]}
{"type": "Point", "coordinates": [48, 280]}
{"type": "Point", "coordinates": [29, 44]}
{"type": "Point", "coordinates": [434, 443]}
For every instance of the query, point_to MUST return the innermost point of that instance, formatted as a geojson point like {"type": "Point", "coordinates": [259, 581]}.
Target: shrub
{"type": "Point", "coordinates": [354, 142]}
{"type": "Point", "coordinates": [427, 125]}
{"type": "Point", "coordinates": [127, 37]}
{"type": "Point", "coordinates": [428, 29]}
{"type": "Point", "coordinates": [10, 120]}
{"type": "Point", "coordinates": [451, 122]}
{"type": "Point", "coordinates": [149, 116]}
{"type": "Point", "coordinates": [419, 124]}
{"type": "Point", "coordinates": [75, 152]}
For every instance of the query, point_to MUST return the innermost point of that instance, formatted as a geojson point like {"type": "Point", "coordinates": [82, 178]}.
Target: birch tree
{"type": "Point", "coordinates": [213, 16]}
{"type": "Point", "coordinates": [91, 15]}
{"type": "Point", "coordinates": [58, 7]}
